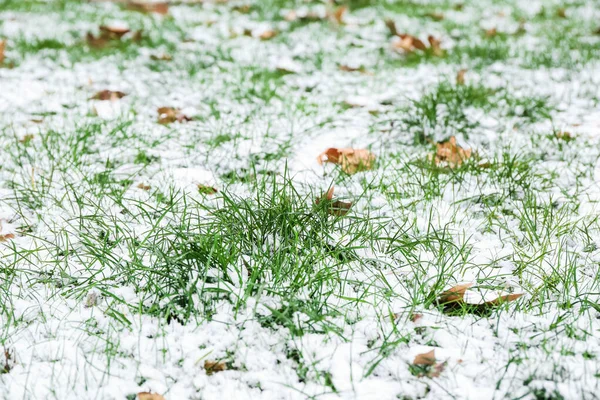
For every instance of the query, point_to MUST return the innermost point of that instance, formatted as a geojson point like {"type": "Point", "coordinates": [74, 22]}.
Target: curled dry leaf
{"type": "Point", "coordinates": [425, 358]}
{"type": "Point", "coordinates": [108, 95]}
{"type": "Point", "coordinates": [149, 396]}
{"type": "Point", "coordinates": [337, 207]}
{"type": "Point", "coordinates": [460, 77]}
{"type": "Point", "coordinates": [161, 8]}
{"type": "Point", "coordinates": [454, 294]}
{"type": "Point", "coordinates": [214, 366]}
{"type": "Point", "coordinates": [2, 48]}
{"type": "Point", "coordinates": [6, 237]}
{"type": "Point", "coordinates": [166, 115]}
{"type": "Point", "coordinates": [144, 186]}
{"type": "Point", "coordinates": [161, 57]}
{"type": "Point", "coordinates": [450, 153]}
{"type": "Point", "coordinates": [409, 43]}
{"type": "Point", "coordinates": [9, 361]}
{"type": "Point", "coordinates": [351, 160]}
{"type": "Point", "coordinates": [27, 138]}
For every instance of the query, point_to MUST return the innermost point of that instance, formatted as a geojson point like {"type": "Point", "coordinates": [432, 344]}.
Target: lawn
{"type": "Point", "coordinates": [299, 199]}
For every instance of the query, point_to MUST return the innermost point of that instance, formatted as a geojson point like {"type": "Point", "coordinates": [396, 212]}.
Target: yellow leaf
{"type": "Point", "coordinates": [214, 366]}
{"type": "Point", "coordinates": [450, 153]}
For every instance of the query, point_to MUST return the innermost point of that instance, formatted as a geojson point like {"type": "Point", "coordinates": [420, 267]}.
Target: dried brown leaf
{"type": "Point", "coordinates": [415, 317]}
{"type": "Point", "coordinates": [337, 15]}
{"type": "Point", "coordinates": [361, 69]}
{"type": "Point", "coordinates": [150, 396]}
{"type": "Point", "coordinates": [435, 45]}
{"type": "Point", "coordinates": [167, 115]}
{"type": "Point", "coordinates": [113, 32]}
{"type": "Point", "coordinates": [96, 42]}
{"type": "Point", "coordinates": [351, 160]}
{"type": "Point", "coordinates": [460, 77]}
{"type": "Point", "coordinates": [436, 16]}
{"type": "Point", "coordinates": [503, 299]}
{"type": "Point", "coordinates": [214, 366]}
{"type": "Point", "coordinates": [6, 237]}
{"type": "Point", "coordinates": [450, 153]}
{"type": "Point", "coordinates": [144, 186]}
{"type": "Point", "coordinates": [268, 35]}
{"type": "Point", "coordinates": [455, 294]}
{"type": "Point", "coordinates": [27, 138]}
{"type": "Point", "coordinates": [161, 8]}
{"type": "Point", "coordinates": [2, 49]}
{"type": "Point", "coordinates": [425, 358]}
{"type": "Point", "coordinates": [108, 95]}
{"type": "Point", "coordinates": [391, 25]}
{"type": "Point", "coordinates": [437, 369]}
{"type": "Point", "coordinates": [161, 57]}
{"type": "Point", "coordinates": [338, 208]}
{"type": "Point", "coordinates": [491, 32]}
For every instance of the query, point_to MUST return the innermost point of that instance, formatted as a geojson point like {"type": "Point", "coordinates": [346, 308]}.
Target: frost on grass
{"type": "Point", "coordinates": [168, 224]}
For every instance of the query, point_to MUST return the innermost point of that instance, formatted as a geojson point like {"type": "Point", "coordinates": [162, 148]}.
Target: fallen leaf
{"type": "Point", "coordinates": [144, 186]}
{"type": "Point", "coordinates": [6, 237]}
{"type": "Point", "coordinates": [391, 25]}
{"type": "Point", "coordinates": [450, 153]}
{"type": "Point", "coordinates": [161, 8]}
{"type": "Point", "coordinates": [268, 35]}
{"type": "Point", "coordinates": [27, 138]}
{"type": "Point", "coordinates": [503, 299]}
{"type": "Point", "coordinates": [337, 15]}
{"type": "Point", "coordinates": [460, 77]}
{"type": "Point", "coordinates": [2, 48]}
{"type": "Point", "coordinates": [425, 358]}
{"type": "Point", "coordinates": [207, 189]}
{"type": "Point", "coordinates": [214, 366]}
{"type": "Point", "coordinates": [9, 361]}
{"type": "Point", "coordinates": [351, 160]}
{"type": "Point", "coordinates": [437, 369]}
{"type": "Point", "coordinates": [149, 396]}
{"type": "Point", "coordinates": [96, 42]}
{"type": "Point", "coordinates": [242, 9]}
{"type": "Point", "coordinates": [361, 69]}
{"type": "Point", "coordinates": [415, 317]}
{"type": "Point", "coordinates": [491, 32]}
{"type": "Point", "coordinates": [436, 16]}
{"type": "Point", "coordinates": [454, 294]}
{"type": "Point", "coordinates": [338, 208]}
{"type": "Point", "coordinates": [166, 115]}
{"type": "Point", "coordinates": [113, 32]}
{"type": "Point", "coordinates": [108, 95]}
{"type": "Point", "coordinates": [435, 46]}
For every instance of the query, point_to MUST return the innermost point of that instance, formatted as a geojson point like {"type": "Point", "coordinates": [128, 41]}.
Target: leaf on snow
{"type": "Point", "coordinates": [337, 207]}
{"type": "Point", "coordinates": [425, 358]}
{"type": "Point", "coordinates": [108, 95]}
{"type": "Point", "coordinates": [166, 115]}
{"type": "Point", "coordinates": [450, 153]}
{"type": "Point", "coordinates": [454, 294]}
{"type": "Point", "coordinates": [268, 35]}
{"type": "Point", "coordinates": [149, 396]}
{"type": "Point", "coordinates": [337, 15]}
{"type": "Point", "coordinates": [2, 48]}
{"type": "Point", "coordinates": [144, 186]}
{"type": "Point", "coordinates": [161, 8]}
{"type": "Point", "coordinates": [351, 160]}
{"type": "Point", "coordinates": [214, 366]}
{"type": "Point", "coordinates": [460, 77]}
{"type": "Point", "coordinates": [6, 237]}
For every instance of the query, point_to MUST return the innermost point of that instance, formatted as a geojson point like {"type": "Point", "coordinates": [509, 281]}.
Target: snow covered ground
{"type": "Point", "coordinates": [197, 258]}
